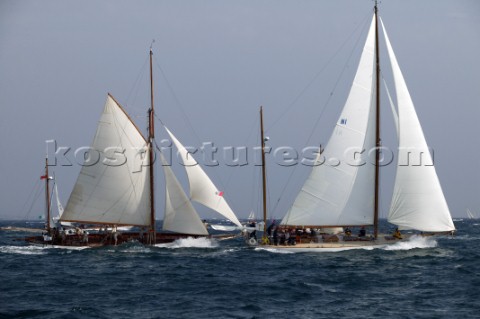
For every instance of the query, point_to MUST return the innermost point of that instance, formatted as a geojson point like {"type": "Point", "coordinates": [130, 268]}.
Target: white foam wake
{"type": "Point", "coordinates": [413, 242]}
{"type": "Point", "coordinates": [191, 242]}
{"type": "Point", "coordinates": [22, 250]}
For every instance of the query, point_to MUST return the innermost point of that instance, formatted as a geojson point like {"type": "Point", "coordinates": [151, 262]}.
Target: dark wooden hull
{"type": "Point", "coordinates": [107, 239]}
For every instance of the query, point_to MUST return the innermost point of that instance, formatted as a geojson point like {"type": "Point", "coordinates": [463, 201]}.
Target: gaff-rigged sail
{"type": "Point", "coordinates": [202, 189]}
{"type": "Point", "coordinates": [112, 187]}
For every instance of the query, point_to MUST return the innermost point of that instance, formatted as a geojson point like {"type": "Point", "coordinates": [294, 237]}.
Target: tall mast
{"type": "Point", "coordinates": [264, 175]}
{"type": "Point", "coordinates": [377, 130]}
{"type": "Point", "coordinates": [151, 136]}
{"type": "Point", "coordinates": [47, 194]}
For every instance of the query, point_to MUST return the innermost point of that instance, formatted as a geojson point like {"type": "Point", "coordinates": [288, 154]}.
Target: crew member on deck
{"type": "Point", "coordinates": [348, 232]}
{"type": "Point", "coordinates": [397, 234]}
{"type": "Point", "coordinates": [362, 232]}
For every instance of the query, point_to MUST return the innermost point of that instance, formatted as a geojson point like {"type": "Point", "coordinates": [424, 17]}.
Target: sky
{"type": "Point", "coordinates": [215, 63]}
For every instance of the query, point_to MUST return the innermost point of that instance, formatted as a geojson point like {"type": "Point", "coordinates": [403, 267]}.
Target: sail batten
{"type": "Point", "coordinates": [418, 201]}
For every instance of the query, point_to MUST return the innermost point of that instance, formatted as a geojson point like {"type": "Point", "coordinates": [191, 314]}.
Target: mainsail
{"type": "Point", "coordinates": [180, 215]}
{"type": "Point", "coordinates": [418, 201]}
{"type": "Point", "coordinates": [113, 188]}
{"type": "Point", "coordinates": [341, 190]}
{"type": "Point", "coordinates": [202, 189]}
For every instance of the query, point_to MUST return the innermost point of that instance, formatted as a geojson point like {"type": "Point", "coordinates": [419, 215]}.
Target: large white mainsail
{"type": "Point", "coordinates": [343, 194]}
{"type": "Point", "coordinates": [202, 189]}
{"type": "Point", "coordinates": [418, 201]}
{"type": "Point", "coordinates": [114, 189]}
{"type": "Point", "coordinates": [180, 215]}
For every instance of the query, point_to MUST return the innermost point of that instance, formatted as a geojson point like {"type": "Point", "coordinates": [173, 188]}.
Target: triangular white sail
{"type": "Point", "coordinates": [418, 201]}
{"type": "Point", "coordinates": [180, 215]}
{"type": "Point", "coordinates": [343, 194]}
{"type": "Point", "coordinates": [470, 215]}
{"type": "Point", "coordinates": [115, 189]}
{"type": "Point", "coordinates": [59, 204]}
{"type": "Point", "coordinates": [202, 189]}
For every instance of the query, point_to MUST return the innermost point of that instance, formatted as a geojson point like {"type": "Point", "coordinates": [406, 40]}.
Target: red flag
{"type": "Point", "coordinates": [220, 193]}
{"type": "Point", "coordinates": [43, 177]}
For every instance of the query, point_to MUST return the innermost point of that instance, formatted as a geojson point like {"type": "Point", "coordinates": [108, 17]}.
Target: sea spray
{"type": "Point", "coordinates": [413, 242]}
{"type": "Point", "coordinates": [191, 242]}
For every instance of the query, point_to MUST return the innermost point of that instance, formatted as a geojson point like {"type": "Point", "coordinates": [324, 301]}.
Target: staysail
{"type": "Point", "coordinates": [112, 187]}
{"type": "Point", "coordinates": [202, 189]}
{"type": "Point", "coordinates": [418, 201]}
{"type": "Point", "coordinates": [180, 215]}
{"type": "Point", "coordinates": [59, 204]}
{"type": "Point", "coordinates": [341, 190]}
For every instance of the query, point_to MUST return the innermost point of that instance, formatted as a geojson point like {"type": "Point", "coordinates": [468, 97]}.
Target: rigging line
{"type": "Point", "coordinates": [283, 190]}
{"type": "Point", "coordinates": [177, 100]}
{"type": "Point", "coordinates": [161, 122]}
{"type": "Point", "coordinates": [33, 191]}
{"type": "Point", "coordinates": [137, 80]}
{"type": "Point", "coordinates": [34, 199]}
{"type": "Point", "coordinates": [187, 119]}
{"type": "Point", "coordinates": [251, 130]}
{"type": "Point", "coordinates": [309, 84]}
{"type": "Point", "coordinates": [327, 102]}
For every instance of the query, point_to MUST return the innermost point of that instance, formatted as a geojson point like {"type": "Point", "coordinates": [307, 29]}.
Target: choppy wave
{"type": "Point", "coordinates": [423, 277]}
{"type": "Point", "coordinates": [23, 250]}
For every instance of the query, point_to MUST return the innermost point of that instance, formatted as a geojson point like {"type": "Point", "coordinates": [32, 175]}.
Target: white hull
{"type": "Point", "coordinates": [408, 242]}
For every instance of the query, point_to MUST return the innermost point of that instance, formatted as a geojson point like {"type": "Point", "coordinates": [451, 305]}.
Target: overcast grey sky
{"type": "Point", "coordinates": [221, 60]}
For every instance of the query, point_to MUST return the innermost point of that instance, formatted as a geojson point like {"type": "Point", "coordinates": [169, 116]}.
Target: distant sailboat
{"type": "Point", "coordinates": [116, 189]}
{"type": "Point", "coordinates": [346, 195]}
{"type": "Point", "coordinates": [470, 215]}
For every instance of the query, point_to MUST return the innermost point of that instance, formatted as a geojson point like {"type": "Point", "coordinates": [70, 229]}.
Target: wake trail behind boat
{"type": "Point", "coordinates": [190, 242]}
{"type": "Point", "coordinates": [413, 242]}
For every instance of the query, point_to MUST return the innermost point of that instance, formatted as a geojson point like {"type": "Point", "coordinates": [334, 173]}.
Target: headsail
{"type": "Point", "coordinates": [343, 194]}
{"type": "Point", "coordinates": [113, 189]}
{"type": "Point", "coordinates": [202, 189]}
{"type": "Point", "coordinates": [59, 204]}
{"type": "Point", "coordinates": [418, 201]}
{"type": "Point", "coordinates": [180, 215]}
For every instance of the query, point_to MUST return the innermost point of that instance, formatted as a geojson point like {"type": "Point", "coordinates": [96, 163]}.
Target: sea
{"type": "Point", "coordinates": [204, 278]}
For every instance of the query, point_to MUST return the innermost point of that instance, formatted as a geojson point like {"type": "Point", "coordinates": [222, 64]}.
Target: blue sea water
{"type": "Point", "coordinates": [424, 278]}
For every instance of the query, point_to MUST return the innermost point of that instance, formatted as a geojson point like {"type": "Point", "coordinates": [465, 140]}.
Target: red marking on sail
{"type": "Point", "coordinates": [219, 193]}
